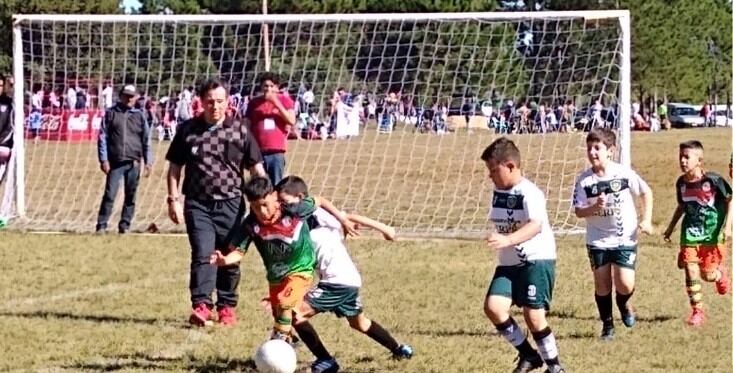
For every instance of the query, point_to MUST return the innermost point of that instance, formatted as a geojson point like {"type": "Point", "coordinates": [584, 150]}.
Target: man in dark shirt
{"type": "Point", "coordinates": [214, 150]}
{"type": "Point", "coordinates": [124, 140]}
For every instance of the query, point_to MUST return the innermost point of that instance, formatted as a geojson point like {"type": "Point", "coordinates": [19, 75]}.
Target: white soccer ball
{"type": "Point", "coordinates": [276, 356]}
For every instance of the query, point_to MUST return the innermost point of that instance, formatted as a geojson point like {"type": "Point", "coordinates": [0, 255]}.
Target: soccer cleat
{"type": "Point", "coordinates": [697, 317]}
{"type": "Point", "coordinates": [555, 368]}
{"type": "Point", "coordinates": [201, 315]}
{"type": "Point", "coordinates": [325, 366]}
{"type": "Point", "coordinates": [723, 283]}
{"type": "Point", "coordinates": [628, 317]}
{"type": "Point", "coordinates": [402, 353]}
{"type": "Point", "coordinates": [227, 316]}
{"type": "Point", "coordinates": [528, 363]}
{"type": "Point", "coordinates": [607, 332]}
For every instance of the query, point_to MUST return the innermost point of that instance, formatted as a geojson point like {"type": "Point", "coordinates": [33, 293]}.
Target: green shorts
{"type": "Point", "coordinates": [343, 301]}
{"type": "Point", "coordinates": [528, 285]}
{"type": "Point", "coordinates": [622, 256]}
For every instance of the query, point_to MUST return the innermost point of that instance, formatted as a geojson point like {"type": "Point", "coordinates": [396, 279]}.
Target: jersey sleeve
{"type": "Point", "coordinates": [241, 238]}
{"type": "Point", "coordinates": [177, 152]}
{"type": "Point", "coordinates": [678, 190]}
{"type": "Point", "coordinates": [580, 199]}
{"type": "Point", "coordinates": [303, 209]}
{"type": "Point", "coordinates": [723, 187]}
{"type": "Point", "coordinates": [536, 205]}
{"type": "Point", "coordinates": [637, 185]}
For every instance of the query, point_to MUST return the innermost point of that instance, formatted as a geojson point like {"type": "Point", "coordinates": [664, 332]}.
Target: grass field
{"type": "Point", "coordinates": [81, 303]}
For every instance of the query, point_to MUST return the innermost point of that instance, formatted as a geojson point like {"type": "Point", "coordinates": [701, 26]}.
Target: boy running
{"type": "Point", "coordinates": [525, 245]}
{"type": "Point", "coordinates": [704, 199]}
{"type": "Point", "coordinates": [282, 238]}
{"type": "Point", "coordinates": [604, 196]}
{"type": "Point", "coordinates": [340, 281]}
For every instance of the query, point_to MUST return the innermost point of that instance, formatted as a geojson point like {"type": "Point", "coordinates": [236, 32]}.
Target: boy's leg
{"type": "Point", "coordinates": [324, 360]}
{"type": "Point", "coordinates": [497, 305]}
{"type": "Point", "coordinates": [286, 297]}
{"type": "Point", "coordinates": [624, 278]}
{"type": "Point", "coordinates": [711, 266]}
{"type": "Point", "coordinates": [538, 280]}
{"type": "Point", "coordinates": [600, 264]}
{"type": "Point", "coordinates": [688, 260]}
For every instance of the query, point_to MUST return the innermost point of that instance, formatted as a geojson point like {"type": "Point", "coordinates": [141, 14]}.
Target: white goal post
{"type": "Point", "coordinates": [432, 89]}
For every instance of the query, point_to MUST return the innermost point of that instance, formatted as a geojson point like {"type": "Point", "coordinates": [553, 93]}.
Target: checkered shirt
{"type": "Point", "coordinates": [213, 157]}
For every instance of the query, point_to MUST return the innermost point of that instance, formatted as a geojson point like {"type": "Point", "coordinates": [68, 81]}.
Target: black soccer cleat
{"type": "Point", "coordinates": [528, 363]}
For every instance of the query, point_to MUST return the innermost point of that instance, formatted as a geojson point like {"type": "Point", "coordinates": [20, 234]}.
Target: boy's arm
{"type": "Point", "coordinates": [728, 228]}
{"type": "Point", "coordinates": [647, 197]}
{"type": "Point", "coordinates": [523, 234]}
{"type": "Point", "coordinates": [678, 212]}
{"type": "Point", "coordinates": [342, 217]}
{"type": "Point", "coordinates": [387, 231]}
{"type": "Point", "coordinates": [219, 259]}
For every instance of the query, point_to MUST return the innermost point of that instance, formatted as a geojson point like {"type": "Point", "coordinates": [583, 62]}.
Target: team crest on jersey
{"type": "Point", "coordinates": [511, 201]}
{"type": "Point", "coordinates": [3, 108]}
{"type": "Point", "coordinates": [615, 185]}
{"type": "Point", "coordinates": [257, 229]}
{"type": "Point", "coordinates": [286, 221]}
{"type": "Point", "coordinates": [706, 186]}
{"type": "Point", "coordinates": [594, 190]}
{"type": "Point", "coordinates": [194, 150]}
{"type": "Point", "coordinates": [683, 188]}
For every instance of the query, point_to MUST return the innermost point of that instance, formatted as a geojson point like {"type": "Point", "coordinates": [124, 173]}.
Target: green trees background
{"type": "Point", "coordinates": [681, 48]}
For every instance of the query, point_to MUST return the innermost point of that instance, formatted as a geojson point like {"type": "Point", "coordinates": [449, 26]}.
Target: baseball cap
{"type": "Point", "coordinates": [128, 90]}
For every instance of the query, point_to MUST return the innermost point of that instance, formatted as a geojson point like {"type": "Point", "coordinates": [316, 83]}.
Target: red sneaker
{"type": "Point", "coordinates": [697, 317]}
{"type": "Point", "coordinates": [201, 315]}
{"type": "Point", "coordinates": [723, 283]}
{"type": "Point", "coordinates": [227, 316]}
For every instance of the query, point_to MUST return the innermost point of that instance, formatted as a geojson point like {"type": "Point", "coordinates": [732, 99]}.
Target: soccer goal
{"type": "Point", "coordinates": [428, 92]}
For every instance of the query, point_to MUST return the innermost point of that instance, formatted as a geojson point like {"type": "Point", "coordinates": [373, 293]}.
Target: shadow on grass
{"type": "Point", "coordinates": [187, 363]}
{"type": "Point", "coordinates": [574, 316]}
{"type": "Point", "coordinates": [93, 318]}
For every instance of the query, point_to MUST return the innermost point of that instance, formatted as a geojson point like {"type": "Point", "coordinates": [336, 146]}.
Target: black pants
{"type": "Point", "coordinates": [209, 225]}
{"type": "Point", "coordinates": [130, 173]}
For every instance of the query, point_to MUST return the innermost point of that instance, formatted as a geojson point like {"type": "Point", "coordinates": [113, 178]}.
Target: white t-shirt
{"type": "Point", "coordinates": [512, 209]}
{"type": "Point", "coordinates": [333, 263]}
{"type": "Point", "coordinates": [616, 224]}
{"type": "Point", "coordinates": [107, 97]}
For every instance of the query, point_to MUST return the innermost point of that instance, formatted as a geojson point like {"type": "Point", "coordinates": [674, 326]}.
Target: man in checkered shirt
{"type": "Point", "coordinates": [214, 150]}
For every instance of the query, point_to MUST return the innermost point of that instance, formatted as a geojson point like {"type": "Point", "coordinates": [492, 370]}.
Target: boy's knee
{"type": "Point", "coordinates": [709, 275]}
{"type": "Point", "coordinates": [360, 323]}
{"type": "Point", "coordinates": [535, 319]}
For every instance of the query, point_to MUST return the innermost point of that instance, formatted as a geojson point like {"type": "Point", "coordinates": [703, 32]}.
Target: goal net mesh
{"type": "Point", "coordinates": [429, 95]}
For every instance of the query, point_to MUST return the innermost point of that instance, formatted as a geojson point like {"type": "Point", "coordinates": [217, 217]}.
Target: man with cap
{"type": "Point", "coordinates": [124, 142]}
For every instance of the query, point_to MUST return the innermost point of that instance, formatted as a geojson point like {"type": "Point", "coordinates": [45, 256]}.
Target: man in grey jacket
{"type": "Point", "coordinates": [124, 141]}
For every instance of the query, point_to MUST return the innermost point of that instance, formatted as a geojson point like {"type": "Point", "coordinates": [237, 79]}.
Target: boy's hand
{"type": "Point", "coordinates": [218, 259]}
{"type": "Point", "coordinates": [498, 241]}
{"type": "Point", "coordinates": [601, 201]}
{"type": "Point", "coordinates": [646, 227]}
{"type": "Point", "coordinates": [668, 235]}
{"type": "Point", "coordinates": [348, 226]}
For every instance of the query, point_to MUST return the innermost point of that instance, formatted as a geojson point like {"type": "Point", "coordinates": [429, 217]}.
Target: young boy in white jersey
{"type": "Point", "coordinates": [339, 281]}
{"type": "Point", "coordinates": [604, 196]}
{"type": "Point", "coordinates": [525, 244]}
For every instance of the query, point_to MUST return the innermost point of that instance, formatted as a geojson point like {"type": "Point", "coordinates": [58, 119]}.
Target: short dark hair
{"type": "Point", "coordinates": [602, 135]}
{"type": "Point", "coordinates": [271, 77]}
{"type": "Point", "coordinates": [211, 84]}
{"type": "Point", "coordinates": [502, 150]}
{"type": "Point", "coordinates": [691, 144]}
{"type": "Point", "coordinates": [257, 188]}
{"type": "Point", "coordinates": [292, 185]}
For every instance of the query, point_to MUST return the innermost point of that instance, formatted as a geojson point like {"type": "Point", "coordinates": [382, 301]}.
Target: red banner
{"type": "Point", "coordinates": [72, 125]}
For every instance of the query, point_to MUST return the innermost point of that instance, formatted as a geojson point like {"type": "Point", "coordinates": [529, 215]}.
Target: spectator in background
{"type": "Point", "coordinates": [6, 122]}
{"type": "Point", "coordinates": [272, 115]}
{"type": "Point", "coordinates": [71, 98]}
{"type": "Point", "coordinates": [35, 119]}
{"type": "Point", "coordinates": [107, 96]}
{"type": "Point", "coordinates": [214, 150]}
{"type": "Point", "coordinates": [124, 140]}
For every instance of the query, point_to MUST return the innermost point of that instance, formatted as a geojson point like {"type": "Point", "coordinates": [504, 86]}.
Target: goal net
{"type": "Point", "coordinates": [394, 110]}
